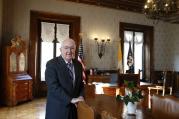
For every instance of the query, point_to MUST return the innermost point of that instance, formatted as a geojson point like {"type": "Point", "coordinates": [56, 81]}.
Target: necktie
{"type": "Point", "coordinates": [70, 69]}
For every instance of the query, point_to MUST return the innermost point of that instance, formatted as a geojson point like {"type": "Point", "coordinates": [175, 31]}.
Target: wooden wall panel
{"type": "Point", "coordinates": [129, 5]}
{"type": "Point", "coordinates": [92, 2]}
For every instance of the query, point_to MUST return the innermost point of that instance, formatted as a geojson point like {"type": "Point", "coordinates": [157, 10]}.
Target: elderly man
{"type": "Point", "coordinates": [64, 80]}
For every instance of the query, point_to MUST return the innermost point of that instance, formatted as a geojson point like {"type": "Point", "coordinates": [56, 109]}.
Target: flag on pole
{"type": "Point", "coordinates": [81, 60]}
{"type": "Point", "coordinates": [130, 60]}
{"type": "Point", "coordinates": [120, 67]}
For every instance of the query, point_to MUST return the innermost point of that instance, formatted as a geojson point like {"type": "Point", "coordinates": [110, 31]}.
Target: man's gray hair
{"type": "Point", "coordinates": [68, 39]}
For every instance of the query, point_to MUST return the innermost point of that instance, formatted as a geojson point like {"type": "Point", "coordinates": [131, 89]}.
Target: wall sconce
{"type": "Point", "coordinates": [101, 46]}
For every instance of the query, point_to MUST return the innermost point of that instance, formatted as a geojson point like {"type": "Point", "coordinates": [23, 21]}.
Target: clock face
{"type": "Point", "coordinates": [17, 62]}
{"type": "Point", "coordinates": [13, 63]}
{"type": "Point", "coordinates": [21, 62]}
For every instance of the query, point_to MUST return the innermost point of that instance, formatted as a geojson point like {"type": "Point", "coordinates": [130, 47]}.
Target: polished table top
{"type": "Point", "coordinates": [99, 78]}
{"type": "Point", "coordinates": [116, 108]}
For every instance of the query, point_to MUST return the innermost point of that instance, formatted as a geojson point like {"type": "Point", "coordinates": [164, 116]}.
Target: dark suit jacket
{"type": "Point", "coordinates": [61, 90]}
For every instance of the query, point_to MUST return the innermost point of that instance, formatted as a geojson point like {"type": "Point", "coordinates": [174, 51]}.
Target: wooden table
{"type": "Point", "coordinates": [116, 108]}
{"type": "Point", "coordinates": [99, 78]}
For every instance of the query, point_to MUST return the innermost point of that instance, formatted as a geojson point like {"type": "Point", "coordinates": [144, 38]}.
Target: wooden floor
{"type": "Point", "coordinates": [30, 110]}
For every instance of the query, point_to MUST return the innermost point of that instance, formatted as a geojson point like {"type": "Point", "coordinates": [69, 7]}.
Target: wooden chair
{"type": "Point", "coordinates": [129, 77]}
{"type": "Point", "coordinates": [165, 107]}
{"type": "Point", "coordinates": [90, 90]}
{"type": "Point", "coordinates": [166, 84]}
{"type": "Point", "coordinates": [84, 111]}
{"type": "Point", "coordinates": [110, 91]}
{"type": "Point", "coordinates": [107, 115]}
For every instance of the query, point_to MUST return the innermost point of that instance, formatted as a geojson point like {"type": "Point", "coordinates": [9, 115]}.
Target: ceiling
{"type": "Point", "coordinates": [128, 5]}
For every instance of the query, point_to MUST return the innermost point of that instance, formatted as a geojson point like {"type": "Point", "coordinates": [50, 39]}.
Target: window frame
{"type": "Point", "coordinates": [148, 44]}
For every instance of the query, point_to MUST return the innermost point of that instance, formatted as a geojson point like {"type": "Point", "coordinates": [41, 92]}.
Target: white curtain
{"type": "Point", "coordinates": [128, 35]}
{"type": "Point", "coordinates": [62, 32]}
{"type": "Point", "coordinates": [138, 37]}
{"type": "Point", "coordinates": [47, 33]}
{"type": "Point", "coordinates": [138, 45]}
{"type": "Point", "coordinates": [138, 53]}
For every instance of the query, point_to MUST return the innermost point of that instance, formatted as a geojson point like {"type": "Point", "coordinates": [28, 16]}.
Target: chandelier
{"type": "Point", "coordinates": [160, 9]}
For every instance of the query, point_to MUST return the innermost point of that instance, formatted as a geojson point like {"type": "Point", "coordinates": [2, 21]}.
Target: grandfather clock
{"type": "Point", "coordinates": [17, 84]}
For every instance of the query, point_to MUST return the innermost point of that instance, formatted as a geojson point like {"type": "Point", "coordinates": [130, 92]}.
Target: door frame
{"type": "Point", "coordinates": [148, 45]}
{"type": "Point", "coordinates": [39, 87]}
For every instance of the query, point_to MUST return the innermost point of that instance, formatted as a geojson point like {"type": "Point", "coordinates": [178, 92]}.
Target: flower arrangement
{"type": "Point", "coordinates": [132, 93]}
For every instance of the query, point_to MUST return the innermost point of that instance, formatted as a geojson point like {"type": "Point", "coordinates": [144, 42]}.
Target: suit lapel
{"type": "Point", "coordinates": [64, 69]}
{"type": "Point", "coordinates": [76, 73]}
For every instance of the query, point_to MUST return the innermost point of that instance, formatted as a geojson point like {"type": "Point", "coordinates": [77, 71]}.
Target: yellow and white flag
{"type": "Point", "coordinates": [120, 67]}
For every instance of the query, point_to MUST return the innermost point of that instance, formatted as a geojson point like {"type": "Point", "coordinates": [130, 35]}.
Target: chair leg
{"type": "Point", "coordinates": [149, 99]}
{"type": "Point", "coordinates": [163, 93]}
{"type": "Point", "coordinates": [157, 91]}
{"type": "Point", "coordinates": [170, 90]}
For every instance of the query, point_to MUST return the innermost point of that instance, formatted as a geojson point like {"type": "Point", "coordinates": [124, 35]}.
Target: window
{"type": "Point", "coordinates": [52, 34]}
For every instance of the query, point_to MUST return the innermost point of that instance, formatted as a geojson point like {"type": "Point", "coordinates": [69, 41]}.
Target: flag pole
{"type": "Point", "coordinates": [81, 58]}
{"type": "Point", "coordinates": [120, 66]}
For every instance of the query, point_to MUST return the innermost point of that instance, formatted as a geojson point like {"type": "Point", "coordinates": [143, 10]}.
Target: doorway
{"type": "Point", "coordinates": [141, 37]}
{"type": "Point", "coordinates": [37, 43]}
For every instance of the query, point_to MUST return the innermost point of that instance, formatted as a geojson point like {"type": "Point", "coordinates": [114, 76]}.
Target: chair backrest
{"type": "Point", "coordinates": [129, 77]}
{"type": "Point", "coordinates": [106, 115]}
{"type": "Point", "coordinates": [114, 78]}
{"type": "Point", "coordinates": [159, 76]}
{"type": "Point", "coordinates": [110, 91]}
{"type": "Point", "coordinates": [90, 91]}
{"type": "Point", "coordinates": [170, 77]}
{"type": "Point", "coordinates": [164, 78]}
{"type": "Point", "coordinates": [165, 107]}
{"type": "Point", "coordinates": [84, 111]}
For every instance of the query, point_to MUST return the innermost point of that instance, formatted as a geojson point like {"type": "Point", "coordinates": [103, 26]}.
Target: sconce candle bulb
{"type": "Point", "coordinates": [101, 46]}
{"type": "Point", "coordinates": [102, 40]}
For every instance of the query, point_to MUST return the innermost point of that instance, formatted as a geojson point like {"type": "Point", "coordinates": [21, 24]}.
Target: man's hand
{"type": "Point", "coordinates": [81, 98]}
{"type": "Point", "coordinates": [76, 100]}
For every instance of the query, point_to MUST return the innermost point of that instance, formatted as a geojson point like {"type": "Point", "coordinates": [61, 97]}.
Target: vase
{"type": "Point", "coordinates": [131, 108]}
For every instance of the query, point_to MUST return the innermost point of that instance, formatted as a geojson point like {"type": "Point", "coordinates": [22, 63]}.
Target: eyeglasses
{"type": "Point", "coordinates": [68, 48]}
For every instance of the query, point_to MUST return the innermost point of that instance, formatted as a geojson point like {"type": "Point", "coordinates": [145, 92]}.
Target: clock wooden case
{"type": "Point", "coordinates": [16, 82]}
